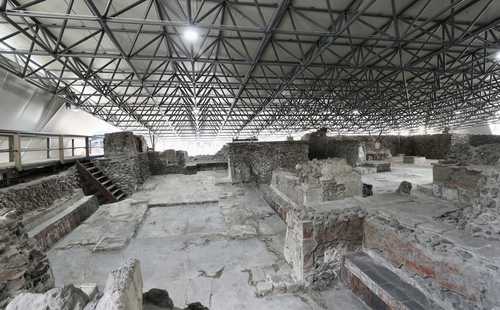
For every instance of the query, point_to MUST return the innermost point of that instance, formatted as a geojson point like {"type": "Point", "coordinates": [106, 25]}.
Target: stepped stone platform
{"type": "Point", "coordinates": [54, 228]}
{"type": "Point", "coordinates": [379, 287]}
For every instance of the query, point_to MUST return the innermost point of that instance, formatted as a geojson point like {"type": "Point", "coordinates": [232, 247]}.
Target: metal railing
{"type": "Point", "coordinates": [19, 149]}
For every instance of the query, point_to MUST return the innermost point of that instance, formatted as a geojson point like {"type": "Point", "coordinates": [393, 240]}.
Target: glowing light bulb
{"type": "Point", "coordinates": [190, 35]}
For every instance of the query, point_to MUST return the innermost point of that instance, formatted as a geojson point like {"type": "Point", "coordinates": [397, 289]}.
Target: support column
{"type": "Point", "coordinates": [73, 147]}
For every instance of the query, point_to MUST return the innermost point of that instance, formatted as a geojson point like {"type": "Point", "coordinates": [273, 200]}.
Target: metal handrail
{"type": "Point", "coordinates": [16, 150]}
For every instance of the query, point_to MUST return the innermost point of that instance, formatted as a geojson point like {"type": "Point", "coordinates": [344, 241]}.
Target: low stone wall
{"type": "Point", "coordinates": [39, 194]}
{"type": "Point", "coordinates": [453, 275]}
{"type": "Point", "coordinates": [127, 172]}
{"type": "Point", "coordinates": [22, 265]}
{"type": "Point", "coordinates": [255, 161]}
{"type": "Point", "coordinates": [48, 233]}
{"type": "Point", "coordinates": [317, 240]}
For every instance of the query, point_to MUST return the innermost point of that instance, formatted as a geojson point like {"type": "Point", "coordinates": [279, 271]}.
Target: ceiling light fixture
{"type": "Point", "coordinates": [190, 35]}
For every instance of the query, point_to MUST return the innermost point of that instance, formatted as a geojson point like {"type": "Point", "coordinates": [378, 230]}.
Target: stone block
{"type": "Point", "coordinates": [123, 290]}
{"type": "Point", "coordinates": [66, 298]}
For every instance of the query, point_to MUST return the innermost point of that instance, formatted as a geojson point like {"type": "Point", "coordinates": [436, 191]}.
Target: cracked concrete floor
{"type": "Point", "coordinates": [199, 242]}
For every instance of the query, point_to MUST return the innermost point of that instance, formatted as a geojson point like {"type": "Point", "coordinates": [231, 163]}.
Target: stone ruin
{"type": "Point", "coordinates": [22, 265]}
{"type": "Point", "coordinates": [317, 181]}
{"type": "Point", "coordinates": [123, 291]}
{"type": "Point", "coordinates": [317, 237]}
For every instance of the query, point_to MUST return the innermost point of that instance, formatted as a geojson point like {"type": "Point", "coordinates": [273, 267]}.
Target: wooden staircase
{"type": "Point", "coordinates": [95, 182]}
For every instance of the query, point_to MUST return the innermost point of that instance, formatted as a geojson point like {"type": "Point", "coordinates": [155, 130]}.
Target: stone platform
{"type": "Point", "coordinates": [378, 165]}
{"type": "Point", "coordinates": [53, 227]}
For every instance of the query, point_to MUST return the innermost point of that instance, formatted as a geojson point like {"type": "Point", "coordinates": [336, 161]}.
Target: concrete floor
{"type": "Point", "coordinates": [200, 239]}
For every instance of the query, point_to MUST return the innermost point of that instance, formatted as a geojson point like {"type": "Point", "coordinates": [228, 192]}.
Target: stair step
{"type": "Point", "coordinates": [116, 191]}
{"type": "Point", "coordinates": [111, 187]}
{"type": "Point", "coordinates": [120, 197]}
{"type": "Point", "coordinates": [92, 168]}
{"type": "Point", "coordinates": [96, 173]}
{"type": "Point", "coordinates": [379, 287]}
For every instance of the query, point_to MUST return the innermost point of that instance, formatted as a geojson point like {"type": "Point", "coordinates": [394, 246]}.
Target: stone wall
{"type": "Point", "coordinates": [465, 153]}
{"type": "Point", "coordinates": [39, 194]}
{"type": "Point", "coordinates": [127, 172]}
{"type": "Point", "coordinates": [157, 163]}
{"type": "Point", "coordinates": [125, 161]}
{"type": "Point", "coordinates": [122, 143]}
{"type": "Point", "coordinates": [22, 265]}
{"type": "Point", "coordinates": [457, 277]}
{"type": "Point", "coordinates": [436, 146]}
{"type": "Point", "coordinates": [255, 161]}
{"type": "Point", "coordinates": [476, 190]}
{"type": "Point", "coordinates": [317, 240]}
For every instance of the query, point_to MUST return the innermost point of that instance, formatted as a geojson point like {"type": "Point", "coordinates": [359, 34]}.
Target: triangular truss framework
{"type": "Point", "coordinates": [261, 67]}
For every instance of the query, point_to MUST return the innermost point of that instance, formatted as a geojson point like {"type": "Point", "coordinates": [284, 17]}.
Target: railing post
{"type": "Point", "coordinates": [72, 147]}
{"type": "Point", "coordinates": [61, 149]}
{"type": "Point", "coordinates": [17, 151]}
{"type": "Point", "coordinates": [11, 149]}
{"type": "Point", "coordinates": [87, 147]}
{"type": "Point", "coordinates": [48, 147]}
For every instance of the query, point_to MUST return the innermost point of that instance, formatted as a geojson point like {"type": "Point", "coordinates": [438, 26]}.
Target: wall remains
{"type": "Point", "coordinates": [22, 265]}
{"type": "Point", "coordinates": [436, 146]}
{"type": "Point", "coordinates": [317, 240]}
{"type": "Point", "coordinates": [458, 277]}
{"type": "Point", "coordinates": [125, 161]}
{"type": "Point", "coordinates": [127, 172]}
{"type": "Point", "coordinates": [39, 194]}
{"type": "Point", "coordinates": [255, 161]}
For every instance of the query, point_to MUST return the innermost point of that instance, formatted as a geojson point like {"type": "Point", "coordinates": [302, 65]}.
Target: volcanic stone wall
{"type": "Point", "coordinates": [457, 276]}
{"type": "Point", "coordinates": [316, 242]}
{"type": "Point", "coordinates": [39, 194]}
{"type": "Point", "coordinates": [127, 172]}
{"type": "Point", "coordinates": [354, 148]}
{"type": "Point", "coordinates": [255, 161]}
{"type": "Point", "coordinates": [125, 162]}
{"type": "Point", "coordinates": [22, 265]}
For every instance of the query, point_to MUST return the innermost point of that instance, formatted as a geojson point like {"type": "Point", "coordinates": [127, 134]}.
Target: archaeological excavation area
{"type": "Point", "coordinates": [249, 154]}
